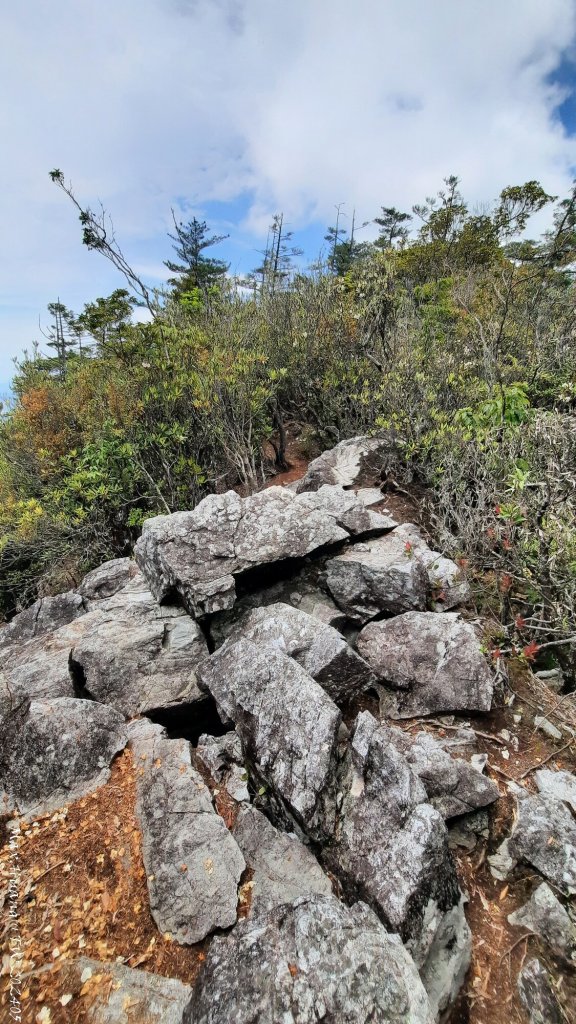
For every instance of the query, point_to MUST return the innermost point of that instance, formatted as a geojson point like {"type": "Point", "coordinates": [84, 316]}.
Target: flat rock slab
{"type": "Point", "coordinates": [44, 616]}
{"type": "Point", "coordinates": [545, 916]}
{"type": "Point", "coordinates": [288, 725]}
{"type": "Point", "coordinates": [378, 576]}
{"type": "Point", "coordinates": [358, 460]}
{"type": "Point", "coordinates": [430, 663]}
{"type": "Point", "coordinates": [544, 835]}
{"type": "Point", "coordinates": [55, 752]}
{"type": "Point", "coordinates": [116, 994]}
{"type": "Point", "coordinates": [107, 579]}
{"type": "Point", "coordinates": [318, 648]}
{"type": "Point", "coordinates": [561, 785]}
{"type": "Point", "coordinates": [310, 961]}
{"type": "Point", "coordinates": [192, 862]}
{"type": "Point", "coordinates": [198, 554]}
{"type": "Point", "coordinates": [282, 868]}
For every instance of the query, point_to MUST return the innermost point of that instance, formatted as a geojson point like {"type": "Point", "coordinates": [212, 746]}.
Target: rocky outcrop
{"type": "Point", "coordinates": [121, 995]}
{"type": "Point", "coordinates": [429, 663]}
{"type": "Point", "coordinates": [44, 616]}
{"type": "Point", "coordinates": [192, 862]}
{"type": "Point", "coordinates": [545, 916]}
{"type": "Point", "coordinates": [54, 752]}
{"type": "Point", "coordinates": [198, 555]}
{"type": "Point", "coordinates": [358, 460]}
{"type": "Point", "coordinates": [107, 579]}
{"type": "Point", "coordinates": [448, 584]}
{"type": "Point", "coordinates": [544, 835]}
{"type": "Point", "coordinates": [312, 960]}
{"type": "Point", "coordinates": [377, 577]}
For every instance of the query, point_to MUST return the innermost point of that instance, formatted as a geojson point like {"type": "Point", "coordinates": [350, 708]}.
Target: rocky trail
{"type": "Point", "coordinates": [268, 772]}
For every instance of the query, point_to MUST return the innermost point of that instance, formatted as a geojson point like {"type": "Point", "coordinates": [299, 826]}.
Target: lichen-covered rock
{"type": "Point", "coordinates": [44, 616]}
{"type": "Point", "coordinates": [39, 668]}
{"type": "Point", "coordinates": [449, 585]}
{"type": "Point", "coordinates": [282, 868]}
{"type": "Point", "coordinates": [223, 759]}
{"type": "Point", "coordinates": [538, 996]}
{"type": "Point", "coordinates": [192, 862]}
{"type": "Point", "coordinates": [319, 649]}
{"type": "Point", "coordinates": [54, 752]}
{"type": "Point", "coordinates": [198, 554]}
{"type": "Point", "coordinates": [288, 725]}
{"type": "Point", "coordinates": [310, 961]}
{"type": "Point", "coordinates": [391, 850]}
{"type": "Point", "coordinates": [429, 663]}
{"type": "Point", "coordinates": [561, 785]}
{"type": "Point", "coordinates": [107, 579]}
{"type": "Point", "coordinates": [358, 460]}
{"type": "Point", "coordinates": [117, 994]}
{"type": "Point", "coordinates": [544, 835]}
{"type": "Point", "coordinates": [544, 915]}
{"type": "Point", "coordinates": [377, 576]}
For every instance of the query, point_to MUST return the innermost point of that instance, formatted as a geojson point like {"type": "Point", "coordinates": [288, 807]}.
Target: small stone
{"type": "Point", "coordinates": [546, 727]}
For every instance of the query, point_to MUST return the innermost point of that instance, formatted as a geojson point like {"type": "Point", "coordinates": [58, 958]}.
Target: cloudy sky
{"type": "Point", "coordinates": [234, 109]}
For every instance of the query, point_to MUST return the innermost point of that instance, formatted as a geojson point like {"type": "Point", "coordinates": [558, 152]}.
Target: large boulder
{"type": "Point", "coordinates": [428, 663]}
{"type": "Point", "coordinates": [44, 616]}
{"type": "Point", "coordinates": [198, 555]}
{"type": "Point", "coordinates": [391, 850]}
{"type": "Point", "coordinates": [310, 961]}
{"type": "Point", "coordinates": [107, 579]}
{"type": "Point", "coordinates": [544, 915]}
{"type": "Point", "coordinates": [544, 835]}
{"type": "Point", "coordinates": [54, 752]}
{"type": "Point", "coordinates": [192, 862]}
{"type": "Point", "coordinates": [379, 576]}
{"type": "Point", "coordinates": [447, 581]}
{"type": "Point", "coordinates": [113, 993]}
{"type": "Point", "coordinates": [288, 725]}
{"type": "Point", "coordinates": [356, 461]}
{"type": "Point", "coordinates": [318, 648]}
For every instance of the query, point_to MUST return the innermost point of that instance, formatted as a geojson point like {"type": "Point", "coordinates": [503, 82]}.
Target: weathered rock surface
{"type": "Point", "coordinates": [198, 554]}
{"type": "Point", "coordinates": [54, 752]}
{"type": "Point", "coordinates": [429, 662]}
{"type": "Point", "coordinates": [107, 579]}
{"type": "Point", "coordinates": [453, 786]}
{"type": "Point", "coordinates": [223, 759]}
{"type": "Point", "coordinates": [449, 585]}
{"type": "Point", "coordinates": [318, 648]}
{"type": "Point", "coordinates": [39, 669]}
{"type": "Point", "coordinates": [192, 862]}
{"type": "Point", "coordinates": [122, 995]}
{"type": "Point", "coordinates": [537, 995]}
{"type": "Point", "coordinates": [377, 576]}
{"type": "Point", "coordinates": [391, 849]}
{"type": "Point", "coordinates": [544, 835]}
{"type": "Point", "coordinates": [354, 461]}
{"type": "Point", "coordinates": [545, 916]}
{"type": "Point", "coordinates": [314, 960]}
{"type": "Point", "coordinates": [288, 725]}
{"type": "Point", "coordinates": [44, 616]}
{"type": "Point", "coordinates": [561, 785]}
{"type": "Point", "coordinates": [282, 867]}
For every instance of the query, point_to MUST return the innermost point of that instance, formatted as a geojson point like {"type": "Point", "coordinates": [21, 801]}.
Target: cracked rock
{"type": "Point", "coordinates": [301, 963]}
{"type": "Point", "coordinates": [544, 835]}
{"type": "Point", "coordinates": [223, 759]}
{"type": "Point", "coordinates": [351, 462]}
{"type": "Point", "coordinates": [545, 916]}
{"type": "Point", "coordinates": [122, 995]}
{"type": "Point", "coordinates": [192, 862]}
{"type": "Point", "coordinates": [44, 616]}
{"type": "Point", "coordinates": [379, 576]}
{"type": "Point", "coordinates": [429, 663]}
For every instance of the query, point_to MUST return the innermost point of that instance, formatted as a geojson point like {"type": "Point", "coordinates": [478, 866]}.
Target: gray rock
{"type": "Point", "coordinates": [544, 835]}
{"type": "Point", "coordinates": [199, 554]}
{"type": "Point", "coordinates": [282, 867]}
{"type": "Point", "coordinates": [310, 961]}
{"type": "Point", "coordinates": [466, 831]}
{"type": "Point", "coordinates": [318, 648]}
{"type": "Point", "coordinates": [192, 862]}
{"type": "Point", "coordinates": [369, 496]}
{"type": "Point", "coordinates": [547, 727]}
{"type": "Point", "coordinates": [449, 585]}
{"type": "Point", "coordinates": [288, 725]}
{"type": "Point", "coordinates": [222, 758]}
{"type": "Point", "coordinates": [107, 579]}
{"type": "Point", "coordinates": [44, 616]}
{"type": "Point", "coordinates": [122, 995]}
{"type": "Point", "coordinates": [561, 785]}
{"type": "Point", "coordinates": [55, 752]}
{"type": "Point", "coordinates": [139, 656]}
{"type": "Point", "coordinates": [432, 662]}
{"type": "Point", "coordinates": [537, 995]}
{"type": "Point", "coordinates": [545, 916]}
{"type": "Point", "coordinates": [358, 460]}
{"type": "Point", "coordinates": [391, 849]}
{"type": "Point", "coordinates": [453, 786]}
{"type": "Point", "coordinates": [377, 576]}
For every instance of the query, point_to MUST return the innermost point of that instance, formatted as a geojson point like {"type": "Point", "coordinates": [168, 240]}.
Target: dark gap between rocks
{"type": "Point", "coordinates": [78, 678]}
{"type": "Point", "coordinates": [190, 721]}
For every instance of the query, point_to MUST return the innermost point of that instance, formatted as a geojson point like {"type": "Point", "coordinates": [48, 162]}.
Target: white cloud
{"type": "Point", "coordinates": [306, 104]}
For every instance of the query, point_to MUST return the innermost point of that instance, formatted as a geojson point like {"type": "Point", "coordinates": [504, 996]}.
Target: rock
{"type": "Point", "coordinates": [369, 496]}
{"type": "Point", "coordinates": [354, 461]}
{"type": "Point", "coordinates": [377, 576]}
{"type": "Point", "coordinates": [561, 785]}
{"type": "Point", "coordinates": [55, 752]}
{"type": "Point", "coordinates": [199, 554]}
{"type": "Point", "coordinates": [310, 961]}
{"type": "Point", "coordinates": [282, 867]}
{"type": "Point", "coordinates": [192, 862]}
{"type": "Point", "coordinates": [122, 995]}
{"type": "Point", "coordinates": [138, 656]}
{"type": "Point", "coordinates": [318, 648]}
{"type": "Point", "coordinates": [222, 758]}
{"type": "Point", "coordinates": [547, 728]}
{"type": "Point", "coordinates": [107, 579]}
{"type": "Point", "coordinates": [537, 995]}
{"type": "Point", "coordinates": [466, 830]}
{"type": "Point", "coordinates": [545, 916]}
{"type": "Point", "coordinates": [391, 850]}
{"type": "Point", "coordinates": [432, 662]}
{"type": "Point", "coordinates": [288, 725]}
{"type": "Point", "coordinates": [453, 786]}
{"type": "Point", "coordinates": [544, 835]}
{"type": "Point", "coordinates": [449, 585]}
{"type": "Point", "coordinates": [44, 616]}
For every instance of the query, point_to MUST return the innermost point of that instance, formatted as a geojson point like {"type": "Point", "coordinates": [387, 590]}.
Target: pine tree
{"type": "Point", "coordinates": [194, 269]}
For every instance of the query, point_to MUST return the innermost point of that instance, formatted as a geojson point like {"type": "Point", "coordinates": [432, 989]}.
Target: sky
{"type": "Point", "coordinates": [232, 110]}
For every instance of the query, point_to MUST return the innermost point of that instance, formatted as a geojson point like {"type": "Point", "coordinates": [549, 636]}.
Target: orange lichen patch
{"type": "Point", "coordinates": [83, 891]}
